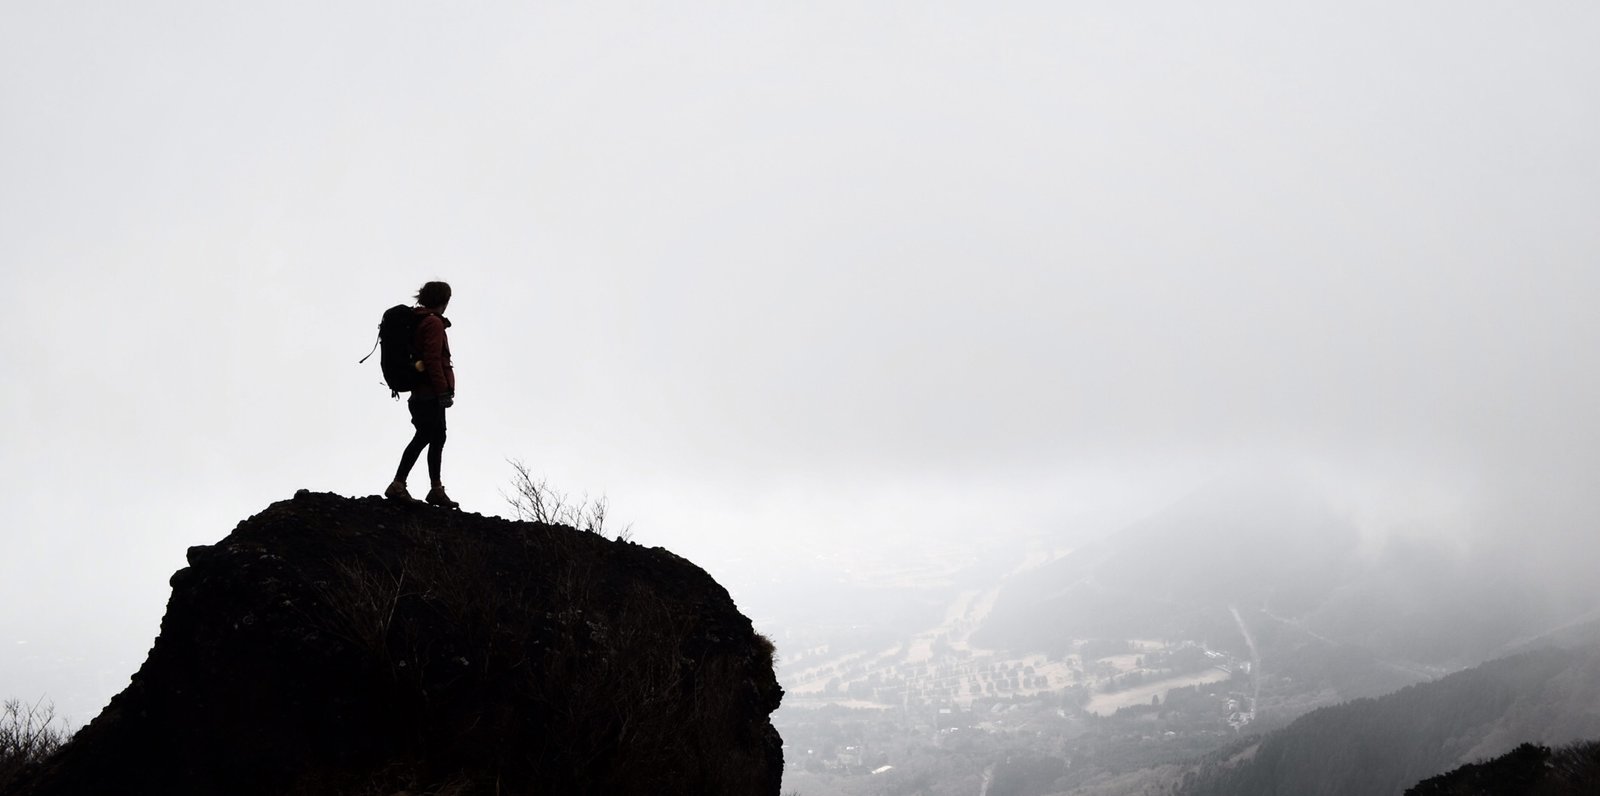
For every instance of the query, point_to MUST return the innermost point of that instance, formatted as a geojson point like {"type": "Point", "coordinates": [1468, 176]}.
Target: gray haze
{"type": "Point", "coordinates": [779, 276]}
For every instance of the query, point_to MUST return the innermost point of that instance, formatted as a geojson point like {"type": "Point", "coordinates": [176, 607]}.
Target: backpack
{"type": "Point", "coordinates": [397, 334]}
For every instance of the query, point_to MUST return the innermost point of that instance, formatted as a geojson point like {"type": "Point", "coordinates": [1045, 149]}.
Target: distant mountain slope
{"type": "Point", "coordinates": [1331, 615]}
{"type": "Point", "coordinates": [1370, 747]}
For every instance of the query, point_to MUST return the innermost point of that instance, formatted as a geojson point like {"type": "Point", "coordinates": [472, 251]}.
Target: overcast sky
{"type": "Point", "coordinates": [776, 272]}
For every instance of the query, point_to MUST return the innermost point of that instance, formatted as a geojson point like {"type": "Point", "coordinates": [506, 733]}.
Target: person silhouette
{"type": "Point", "coordinates": [433, 393]}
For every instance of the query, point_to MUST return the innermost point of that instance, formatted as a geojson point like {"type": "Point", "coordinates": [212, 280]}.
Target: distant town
{"type": "Point", "coordinates": [858, 715]}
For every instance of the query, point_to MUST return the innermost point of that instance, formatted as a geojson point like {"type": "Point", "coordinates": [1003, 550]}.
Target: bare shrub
{"type": "Point", "coordinates": [28, 735]}
{"type": "Point", "coordinates": [767, 649]}
{"type": "Point", "coordinates": [534, 499]}
{"type": "Point", "coordinates": [362, 599]}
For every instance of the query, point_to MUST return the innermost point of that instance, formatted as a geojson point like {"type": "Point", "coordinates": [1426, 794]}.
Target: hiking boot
{"type": "Point", "coordinates": [397, 491]}
{"type": "Point", "coordinates": [437, 497]}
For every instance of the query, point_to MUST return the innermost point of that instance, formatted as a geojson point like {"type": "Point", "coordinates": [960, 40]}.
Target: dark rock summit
{"type": "Point", "coordinates": [355, 646]}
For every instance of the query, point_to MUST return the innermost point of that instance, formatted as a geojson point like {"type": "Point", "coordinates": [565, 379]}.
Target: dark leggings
{"type": "Point", "coordinates": [428, 416]}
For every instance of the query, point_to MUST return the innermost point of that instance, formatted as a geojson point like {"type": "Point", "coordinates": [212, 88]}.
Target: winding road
{"type": "Point", "coordinates": [1255, 658]}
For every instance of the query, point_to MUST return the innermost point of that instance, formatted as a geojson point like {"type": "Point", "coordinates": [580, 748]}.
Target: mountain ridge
{"type": "Point", "coordinates": [1385, 744]}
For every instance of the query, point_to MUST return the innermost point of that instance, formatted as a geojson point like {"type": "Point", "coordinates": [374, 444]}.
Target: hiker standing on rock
{"type": "Point", "coordinates": [433, 392]}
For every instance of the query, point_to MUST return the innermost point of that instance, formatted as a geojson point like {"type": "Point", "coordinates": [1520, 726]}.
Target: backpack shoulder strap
{"type": "Point", "coordinates": [374, 347]}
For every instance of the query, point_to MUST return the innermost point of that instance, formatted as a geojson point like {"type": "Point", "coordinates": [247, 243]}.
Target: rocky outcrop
{"type": "Point", "coordinates": [356, 646]}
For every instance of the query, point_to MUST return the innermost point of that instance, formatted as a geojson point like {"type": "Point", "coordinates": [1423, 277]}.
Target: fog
{"type": "Point", "coordinates": [798, 277]}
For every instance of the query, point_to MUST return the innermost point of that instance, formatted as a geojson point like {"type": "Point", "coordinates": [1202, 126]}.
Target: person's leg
{"type": "Point", "coordinates": [437, 495]}
{"type": "Point", "coordinates": [436, 456]}
{"type": "Point", "coordinates": [408, 458]}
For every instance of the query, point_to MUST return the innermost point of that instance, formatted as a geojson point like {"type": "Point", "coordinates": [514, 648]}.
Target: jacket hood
{"type": "Point", "coordinates": [426, 311]}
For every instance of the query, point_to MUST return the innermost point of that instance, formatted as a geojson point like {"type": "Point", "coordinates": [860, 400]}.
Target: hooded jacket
{"type": "Point", "coordinates": [433, 353]}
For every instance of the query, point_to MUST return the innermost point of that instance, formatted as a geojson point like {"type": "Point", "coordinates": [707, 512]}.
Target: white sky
{"type": "Point", "coordinates": [775, 273]}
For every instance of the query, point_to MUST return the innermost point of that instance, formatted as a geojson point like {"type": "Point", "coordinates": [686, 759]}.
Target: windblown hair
{"type": "Point", "coordinates": [434, 294]}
